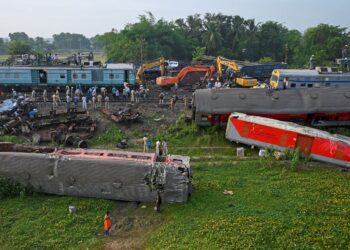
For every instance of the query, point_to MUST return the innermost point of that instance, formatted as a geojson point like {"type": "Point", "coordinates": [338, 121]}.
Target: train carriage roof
{"type": "Point", "coordinates": [267, 101]}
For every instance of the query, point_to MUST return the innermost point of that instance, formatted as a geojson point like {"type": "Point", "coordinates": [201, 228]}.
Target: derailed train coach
{"type": "Point", "coordinates": [270, 133]}
{"type": "Point", "coordinates": [317, 107]}
{"type": "Point", "coordinates": [53, 77]}
{"type": "Point", "coordinates": [116, 175]}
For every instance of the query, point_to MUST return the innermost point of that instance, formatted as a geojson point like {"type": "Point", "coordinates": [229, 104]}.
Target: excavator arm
{"type": "Point", "coordinates": [221, 61]}
{"type": "Point", "coordinates": [158, 62]}
{"type": "Point", "coordinates": [166, 81]}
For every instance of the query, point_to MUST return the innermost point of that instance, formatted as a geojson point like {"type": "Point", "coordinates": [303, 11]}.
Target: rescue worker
{"type": "Point", "coordinates": [145, 144]}
{"type": "Point", "coordinates": [161, 98]}
{"type": "Point", "coordinates": [158, 148]}
{"type": "Point", "coordinates": [94, 102]}
{"type": "Point", "coordinates": [68, 100]}
{"type": "Point", "coordinates": [107, 102]}
{"type": "Point", "coordinates": [14, 94]}
{"type": "Point", "coordinates": [76, 100]}
{"type": "Point", "coordinates": [312, 62]}
{"type": "Point", "coordinates": [165, 148]}
{"type": "Point", "coordinates": [72, 92]}
{"type": "Point", "coordinates": [172, 103]}
{"type": "Point", "coordinates": [67, 91]}
{"type": "Point", "coordinates": [33, 95]}
{"type": "Point", "coordinates": [54, 102]}
{"type": "Point", "coordinates": [45, 95]}
{"type": "Point", "coordinates": [99, 100]}
{"type": "Point", "coordinates": [83, 99]}
{"type": "Point", "coordinates": [132, 95]}
{"type": "Point", "coordinates": [344, 52]}
{"type": "Point", "coordinates": [107, 224]}
{"type": "Point", "coordinates": [103, 91]}
{"type": "Point", "coordinates": [185, 101]}
{"type": "Point", "coordinates": [114, 90]}
{"type": "Point", "coordinates": [137, 95]}
{"type": "Point", "coordinates": [58, 95]}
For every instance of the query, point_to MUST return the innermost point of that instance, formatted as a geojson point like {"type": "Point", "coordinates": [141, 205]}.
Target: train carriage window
{"type": "Point", "coordinates": [16, 75]}
{"type": "Point", "coordinates": [62, 76]}
{"type": "Point", "coordinates": [111, 76]}
{"type": "Point", "coordinates": [309, 85]}
{"type": "Point", "coordinates": [7, 75]}
{"type": "Point", "coordinates": [328, 84]}
{"type": "Point", "coordinates": [75, 75]}
{"type": "Point", "coordinates": [302, 85]}
{"type": "Point", "coordinates": [83, 76]}
{"type": "Point", "coordinates": [293, 85]}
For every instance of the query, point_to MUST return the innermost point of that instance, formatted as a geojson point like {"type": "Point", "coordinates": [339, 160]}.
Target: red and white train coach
{"type": "Point", "coordinates": [280, 135]}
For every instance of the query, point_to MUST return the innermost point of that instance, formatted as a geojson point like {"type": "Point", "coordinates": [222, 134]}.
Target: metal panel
{"type": "Point", "coordinates": [304, 144]}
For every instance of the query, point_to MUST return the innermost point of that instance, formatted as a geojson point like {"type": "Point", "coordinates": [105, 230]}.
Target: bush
{"type": "Point", "coordinates": [112, 136]}
{"type": "Point", "coordinates": [11, 188]}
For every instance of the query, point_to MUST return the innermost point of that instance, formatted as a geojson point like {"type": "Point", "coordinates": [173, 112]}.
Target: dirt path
{"type": "Point", "coordinates": [131, 222]}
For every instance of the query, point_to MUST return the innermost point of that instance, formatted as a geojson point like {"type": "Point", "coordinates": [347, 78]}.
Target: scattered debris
{"type": "Point", "coordinates": [228, 192]}
{"type": "Point", "coordinates": [240, 152]}
{"type": "Point", "coordinates": [126, 115]}
{"type": "Point", "coordinates": [72, 209]}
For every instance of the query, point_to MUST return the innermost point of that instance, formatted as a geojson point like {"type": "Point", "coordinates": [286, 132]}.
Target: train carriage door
{"type": "Point", "coordinates": [42, 76]}
{"type": "Point", "coordinates": [69, 76]}
{"type": "Point", "coordinates": [126, 75]}
{"type": "Point", "coordinates": [304, 144]}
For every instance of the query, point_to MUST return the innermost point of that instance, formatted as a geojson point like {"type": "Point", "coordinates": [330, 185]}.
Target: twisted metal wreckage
{"type": "Point", "coordinates": [116, 175]}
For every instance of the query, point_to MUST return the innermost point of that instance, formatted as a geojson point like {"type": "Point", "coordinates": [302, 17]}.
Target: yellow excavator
{"type": "Point", "coordinates": [231, 64]}
{"type": "Point", "coordinates": [160, 62]}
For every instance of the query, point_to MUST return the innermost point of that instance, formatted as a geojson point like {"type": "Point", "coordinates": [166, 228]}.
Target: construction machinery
{"type": "Point", "coordinates": [185, 73]}
{"type": "Point", "coordinates": [160, 62]}
{"type": "Point", "coordinates": [233, 66]}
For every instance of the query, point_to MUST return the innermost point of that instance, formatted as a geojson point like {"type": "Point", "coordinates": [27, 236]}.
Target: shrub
{"type": "Point", "coordinates": [12, 188]}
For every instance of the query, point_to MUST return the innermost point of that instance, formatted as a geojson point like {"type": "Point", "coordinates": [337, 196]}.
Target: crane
{"type": "Point", "coordinates": [149, 65]}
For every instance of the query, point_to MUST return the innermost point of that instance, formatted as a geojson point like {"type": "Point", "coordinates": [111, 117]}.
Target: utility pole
{"type": "Point", "coordinates": [286, 53]}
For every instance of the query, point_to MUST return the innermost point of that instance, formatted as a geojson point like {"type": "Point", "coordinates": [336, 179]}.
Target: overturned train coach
{"type": "Point", "coordinates": [125, 176]}
{"type": "Point", "coordinates": [270, 133]}
{"type": "Point", "coordinates": [317, 107]}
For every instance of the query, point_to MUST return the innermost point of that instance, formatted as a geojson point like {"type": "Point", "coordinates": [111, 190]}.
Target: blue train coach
{"type": "Point", "coordinates": [84, 77]}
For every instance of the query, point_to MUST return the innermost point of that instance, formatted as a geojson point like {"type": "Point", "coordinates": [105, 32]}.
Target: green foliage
{"type": "Point", "coordinates": [18, 48]}
{"type": "Point", "coordinates": [10, 138]}
{"type": "Point", "coordinates": [198, 54]}
{"type": "Point", "coordinates": [271, 208]}
{"type": "Point", "coordinates": [325, 42]}
{"type": "Point", "coordinates": [71, 41]}
{"type": "Point", "coordinates": [265, 60]}
{"type": "Point", "coordinates": [11, 188]}
{"type": "Point", "coordinates": [43, 222]}
{"type": "Point", "coordinates": [112, 136]}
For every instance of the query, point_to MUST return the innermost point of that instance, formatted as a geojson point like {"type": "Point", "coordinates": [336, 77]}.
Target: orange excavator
{"type": "Point", "coordinates": [171, 80]}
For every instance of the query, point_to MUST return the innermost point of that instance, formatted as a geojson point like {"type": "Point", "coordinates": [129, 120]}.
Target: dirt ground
{"type": "Point", "coordinates": [131, 222]}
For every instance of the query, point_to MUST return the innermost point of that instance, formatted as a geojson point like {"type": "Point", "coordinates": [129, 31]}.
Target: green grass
{"type": "Point", "coordinates": [43, 222]}
{"type": "Point", "coordinates": [272, 207]}
{"type": "Point", "coordinates": [275, 205]}
{"type": "Point", "coordinates": [10, 138]}
{"type": "Point", "coordinates": [111, 137]}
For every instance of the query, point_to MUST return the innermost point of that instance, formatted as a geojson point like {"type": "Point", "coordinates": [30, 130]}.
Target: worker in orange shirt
{"type": "Point", "coordinates": [107, 224]}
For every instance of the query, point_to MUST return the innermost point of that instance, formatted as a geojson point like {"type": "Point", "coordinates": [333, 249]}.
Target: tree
{"type": "Point", "coordinates": [18, 48]}
{"type": "Point", "coordinates": [20, 36]}
{"type": "Point", "coordinates": [2, 46]}
{"type": "Point", "coordinates": [71, 41]}
{"type": "Point", "coordinates": [325, 41]}
{"type": "Point", "coordinates": [272, 36]}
